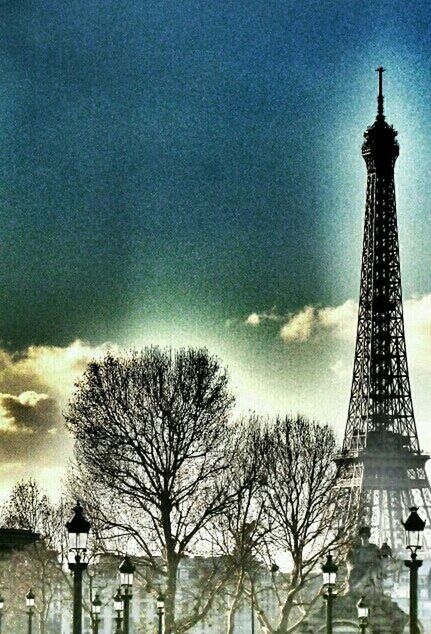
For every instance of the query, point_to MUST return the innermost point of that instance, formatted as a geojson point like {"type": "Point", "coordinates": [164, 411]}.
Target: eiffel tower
{"type": "Point", "coordinates": [381, 468]}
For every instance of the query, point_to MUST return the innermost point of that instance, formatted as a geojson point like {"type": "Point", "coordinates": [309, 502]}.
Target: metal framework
{"type": "Point", "coordinates": [381, 469]}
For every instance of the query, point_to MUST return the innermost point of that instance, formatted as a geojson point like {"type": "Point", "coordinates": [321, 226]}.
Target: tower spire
{"type": "Point", "coordinates": [380, 114]}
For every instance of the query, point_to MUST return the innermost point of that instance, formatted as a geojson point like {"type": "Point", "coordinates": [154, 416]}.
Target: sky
{"type": "Point", "coordinates": [190, 173]}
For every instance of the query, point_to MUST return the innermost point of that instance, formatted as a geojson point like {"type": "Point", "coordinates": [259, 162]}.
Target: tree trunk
{"type": "Point", "coordinates": [283, 625]}
{"type": "Point", "coordinates": [235, 603]}
{"type": "Point", "coordinates": [285, 614]}
{"type": "Point", "coordinates": [171, 590]}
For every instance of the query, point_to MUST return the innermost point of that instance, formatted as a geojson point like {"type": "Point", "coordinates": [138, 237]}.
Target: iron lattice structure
{"type": "Point", "coordinates": [381, 469]}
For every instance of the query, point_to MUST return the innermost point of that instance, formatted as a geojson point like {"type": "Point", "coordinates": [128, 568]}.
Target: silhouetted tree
{"type": "Point", "coordinates": [38, 565]}
{"type": "Point", "coordinates": [239, 533]}
{"type": "Point", "coordinates": [153, 452]}
{"type": "Point", "coordinates": [299, 499]}
{"type": "Point", "coordinates": [28, 507]}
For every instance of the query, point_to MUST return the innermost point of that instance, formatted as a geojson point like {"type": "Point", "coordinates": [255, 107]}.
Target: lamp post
{"type": "Point", "coordinates": [127, 570]}
{"type": "Point", "coordinates": [96, 606]}
{"type": "Point", "coordinates": [363, 612]}
{"type": "Point", "coordinates": [252, 580]}
{"type": "Point", "coordinates": [29, 601]}
{"type": "Point", "coordinates": [78, 529]}
{"type": "Point", "coordinates": [160, 611]}
{"type": "Point", "coordinates": [413, 526]}
{"type": "Point", "coordinates": [118, 607]}
{"type": "Point", "coordinates": [1, 609]}
{"type": "Point", "coordinates": [329, 570]}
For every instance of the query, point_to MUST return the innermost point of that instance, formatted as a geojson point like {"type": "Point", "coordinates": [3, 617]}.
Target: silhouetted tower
{"type": "Point", "coordinates": [381, 467]}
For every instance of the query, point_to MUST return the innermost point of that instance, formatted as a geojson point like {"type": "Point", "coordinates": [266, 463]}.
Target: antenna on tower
{"type": "Point", "coordinates": [380, 114]}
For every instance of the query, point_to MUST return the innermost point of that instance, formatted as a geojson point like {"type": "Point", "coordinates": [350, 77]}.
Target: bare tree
{"type": "Point", "coordinates": [38, 565]}
{"type": "Point", "coordinates": [299, 497]}
{"type": "Point", "coordinates": [239, 533]}
{"type": "Point", "coordinates": [26, 508]}
{"type": "Point", "coordinates": [153, 448]}
{"type": "Point", "coordinates": [29, 508]}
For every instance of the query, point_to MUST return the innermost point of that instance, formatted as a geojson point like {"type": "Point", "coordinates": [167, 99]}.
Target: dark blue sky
{"type": "Point", "coordinates": [168, 168]}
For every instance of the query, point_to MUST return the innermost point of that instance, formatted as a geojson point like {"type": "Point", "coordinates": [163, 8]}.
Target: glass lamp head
{"type": "Point", "coordinates": [118, 601]}
{"type": "Point", "coordinates": [160, 601]}
{"type": "Point", "coordinates": [385, 550]}
{"type": "Point", "coordinates": [96, 605]}
{"type": "Point", "coordinates": [127, 570]}
{"type": "Point", "coordinates": [29, 599]}
{"type": "Point", "coordinates": [274, 568]}
{"type": "Point", "coordinates": [414, 527]}
{"type": "Point", "coordinates": [363, 609]}
{"type": "Point", "coordinates": [329, 570]}
{"type": "Point", "coordinates": [1, 602]}
{"type": "Point", "coordinates": [78, 529]}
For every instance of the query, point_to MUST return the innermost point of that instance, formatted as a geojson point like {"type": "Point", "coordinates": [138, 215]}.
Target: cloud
{"type": "Point", "coordinates": [340, 320]}
{"type": "Point", "coordinates": [28, 423]}
{"type": "Point", "coordinates": [256, 319]}
{"type": "Point", "coordinates": [300, 326]}
{"type": "Point", "coordinates": [51, 369]}
{"type": "Point", "coordinates": [311, 322]}
{"type": "Point", "coordinates": [29, 412]}
{"type": "Point", "coordinates": [417, 318]}
{"type": "Point", "coordinates": [337, 324]}
{"type": "Point", "coordinates": [35, 385]}
{"type": "Point", "coordinates": [341, 368]}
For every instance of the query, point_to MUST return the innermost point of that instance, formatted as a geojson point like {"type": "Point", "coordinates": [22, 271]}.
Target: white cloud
{"type": "Point", "coordinates": [300, 326]}
{"type": "Point", "coordinates": [51, 367]}
{"type": "Point", "coordinates": [256, 319]}
{"type": "Point", "coordinates": [253, 320]}
{"type": "Point", "coordinates": [31, 398]}
{"type": "Point", "coordinates": [341, 320]}
{"type": "Point", "coordinates": [417, 311]}
{"type": "Point", "coordinates": [311, 322]}
{"type": "Point", "coordinates": [35, 384]}
{"type": "Point", "coordinates": [338, 323]}
{"type": "Point", "coordinates": [341, 368]}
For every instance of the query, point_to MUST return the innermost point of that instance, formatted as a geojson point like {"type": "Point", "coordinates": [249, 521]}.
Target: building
{"type": "Point", "coordinates": [192, 571]}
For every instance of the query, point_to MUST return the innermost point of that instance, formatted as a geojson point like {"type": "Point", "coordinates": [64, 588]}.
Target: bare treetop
{"type": "Point", "coordinates": [152, 430]}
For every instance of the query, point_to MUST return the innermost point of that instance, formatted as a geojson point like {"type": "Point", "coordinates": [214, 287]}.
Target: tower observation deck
{"type": "Point", "coordinates": [381, 468]}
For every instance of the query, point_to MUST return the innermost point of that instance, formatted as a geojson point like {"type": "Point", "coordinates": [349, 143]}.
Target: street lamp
{"type": "Point", "coordinates": [160, 610]}
{"type": "Point", "coordinates": [78, 529]}
{"type": "Point", "coordinates": [127, 570]}
{"type": "Point", "coordinates": [118, 607]}
{"type": "Point", "coordinates": [1, 609]}
{"type": "Point", "coordinates": [29, 601]}
{"type": "Point", "coordinates": [363, 612]}
{"type": "Point", "coordinates": [329, 570]}
{"type": "Point", "coordinates": [96, 606]}
{"type": "Point", "coordinates": [414, 527]}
